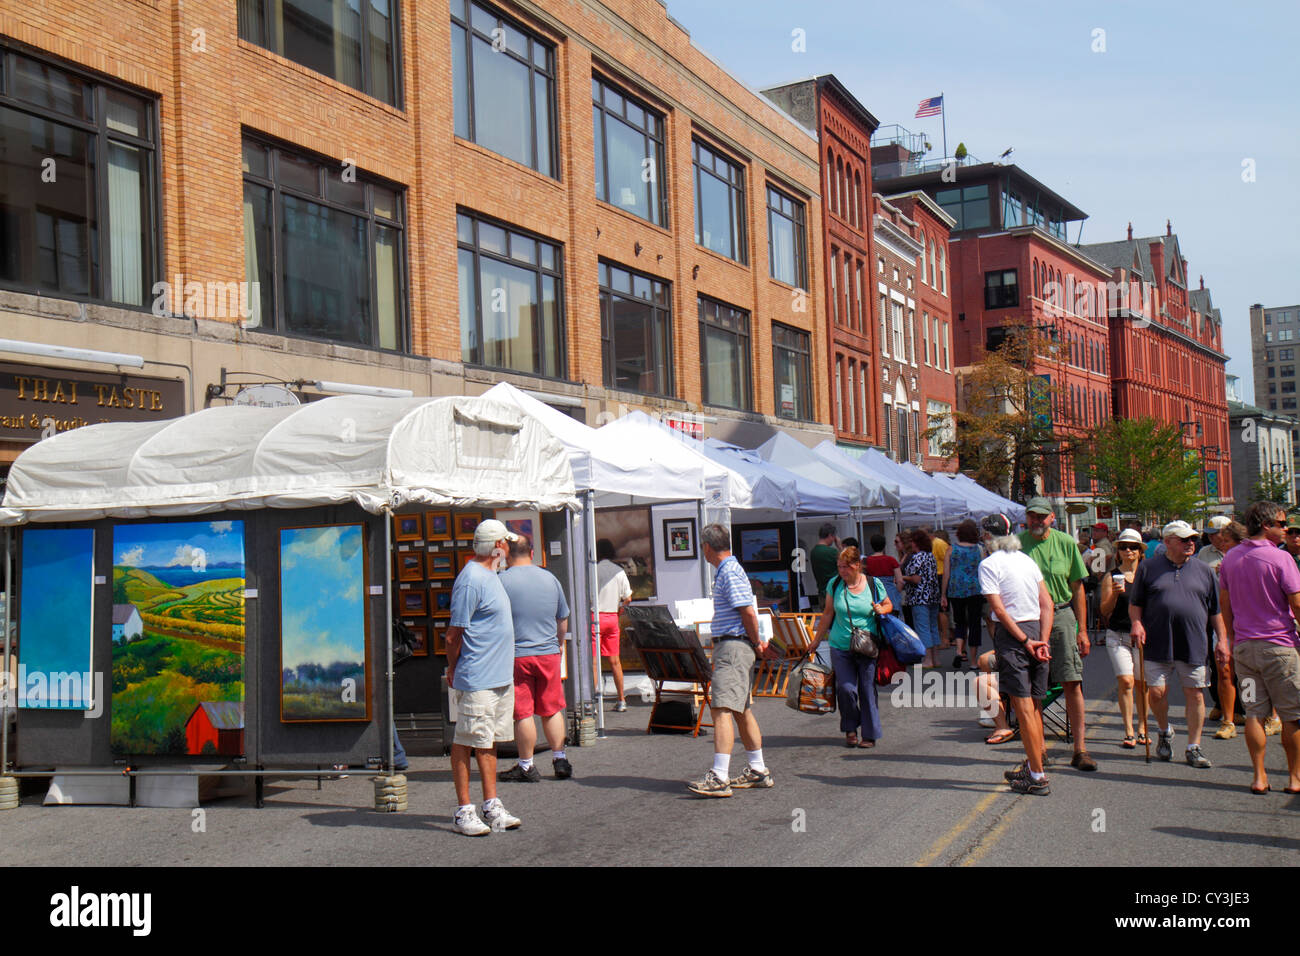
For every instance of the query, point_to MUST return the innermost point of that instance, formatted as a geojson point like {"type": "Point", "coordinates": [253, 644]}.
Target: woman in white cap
{"type": "Point", "coordinates": [1130, 550]}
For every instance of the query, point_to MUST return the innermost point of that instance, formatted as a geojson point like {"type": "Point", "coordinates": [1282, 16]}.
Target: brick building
{"type": "Point", "coordinates": [1166, 345]}
{"type": "Point", "coordinates": [1263, 446]}
{"type": "Point", "coordinates": [1274, 331]}
{"type": "Point", "coordinates": [569, 197]}
{"type": "Point", "coordinates": [844, 128]}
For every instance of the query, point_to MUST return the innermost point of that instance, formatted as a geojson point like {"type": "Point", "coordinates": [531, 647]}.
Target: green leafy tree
{"type": "Point", "coordinates": [1143, 467]}
{"type": "Point", "coordinates": [1274, 486]}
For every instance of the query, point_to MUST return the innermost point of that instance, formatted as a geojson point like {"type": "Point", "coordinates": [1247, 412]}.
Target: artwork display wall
{"type": "Point", "coordinates": [178, 678]}
{"type": "Point", "coordinates": [56, 621]}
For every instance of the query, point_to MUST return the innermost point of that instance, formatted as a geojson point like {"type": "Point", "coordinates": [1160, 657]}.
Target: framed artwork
{"type": "Point", "coordinates": [441, 564]}
{"type": "Point", "coordinates": [179, 684]}
{"type": "Point", "coordinates": [439, 638]}
{"type": "Point", "coordinates": [679, 539]}
{"type": "Point", "coordinates": [324, 628]}
{"type": "Point", "coordinates": [466, 522]}
{"type": "Point", "coordinates": [463, 558]}
{"type": "Point", "coordinates": [56, 618]}
{"type": "Point", "coordinates": [412, 603]}
{"type": "Point", "coordinates": [528, 523]}
{"type": "Point", "coordinates": [407, 528]}
{"type": "Point", "coordinates": [410, 566]}
{"type": "Point", "coordinates": [760, 544]}
{"type": "Point", "coordinates": [421, 646]}
{"type": "Point", "coordinates": [771, 588]}
{"type": "Point", "coordinates": [440, 604]}
{"type": "Point", "coordinates": [628, 529]}
{"type": "Point", "coordinates": [437, 525]}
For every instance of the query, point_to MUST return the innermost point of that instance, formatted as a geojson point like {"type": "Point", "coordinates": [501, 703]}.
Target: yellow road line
{"type": "Point", "coordinates": [946, 840]}
{"type": "Point", "coordinates": [996, 833]}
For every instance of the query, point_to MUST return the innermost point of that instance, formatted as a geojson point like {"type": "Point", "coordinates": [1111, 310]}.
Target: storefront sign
{"type": "Point", "coordinates": [266, 396]}
{"type": "Point", "coordinates": [694, 429]}
{"type": "Point", "coordinates": [37, 402]}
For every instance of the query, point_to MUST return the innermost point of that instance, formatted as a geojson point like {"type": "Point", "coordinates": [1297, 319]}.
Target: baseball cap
{"type": "Point", "coordinates": [1180, 529]}
{"type": "Point", "coordinates": [1039, 506]}
{"type": "Point", "coordinates": [1101, 526]}
{"type": "Point", "coordinates": [997, 525]}
{"type": "Point", "coordinates": [492, 531]}
{"type": "Point", "coordinates": [1129, 536]}
{"type": "Point", "coordinates": [1218, 523]}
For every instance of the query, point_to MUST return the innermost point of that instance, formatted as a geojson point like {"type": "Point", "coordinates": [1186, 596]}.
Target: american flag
{"type": "Point", "coordinates": [930, 106]}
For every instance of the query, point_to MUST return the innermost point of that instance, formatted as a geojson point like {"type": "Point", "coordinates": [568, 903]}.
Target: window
{"type": "Point", "coordinates": [328, 252]}
{"type": "Point", "coordinates": [1286, 355]}
{"type": "Point", "coordinates": [1272, 372]}
{"type": "Point", "coordinates": [943, 273]}
{"type": "Point", "coordinates": [861, 300]}
{"type": "Point", "coordinates": [719, 203]}
{"type": "Point", "coordinates": [1012, 210]}
{"type": "Point", "coordinates": [1272, 388]}
{"type": "Point", "coordinates": [511, 298]}
{"type": "Point", "coordinates": [1288, 388]}
{"type": "Point", "coordinates": [853, 406]}
{"type": "Point", "coordinates": [835, 292]}
{"type": "Point", "coordinates": [849, 318]}
{"type": "Point", "coordinates": [934, 265]}
{"type": "Point", "coordinates": [884, 337]}
{"type": "Point", "coordinates": [785, 239]}
{"type": "Point", "coordinates": [947, 346]}
{"type": "Point", "coordinates": [347, 40]}
{"type": "Point", "coordinates": [1268, 336]}
{"type": "Point", "coordinates": [1287, 404]}
{"type": "Point", "coordinates": [792, 373]}
{"type": "Point", "coordinates": [629, 153]}
{"type": "Point", "coordinates": [925, 338]}
{"type": "Point", "coordinates": [1287, 371]}
{"type": "Point", "coordinates": [911, 336]}
{"type": "Point", "coordinates": [1001, 290]}
{"type": "Point", "coordinates": [968, 205]}
{"type": "Point", "coordinates": [92, 229]}
{"type": "Point", "coordinates": [636, 331]}
{"type": "Point", "coordinates": [938, 417]}
{"type": "Point", "coordinates": [724, 349]}
{"type": "Point", "coordinates": [881, 267]}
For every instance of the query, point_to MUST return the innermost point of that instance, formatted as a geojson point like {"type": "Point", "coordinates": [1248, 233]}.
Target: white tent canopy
{"type": "Point", "coordinates": [636, 433]}
{"type": "Point", "coordinates": [887, 495]}
{"type": "Point", "coordinates": [956, 506]}
{"type": "Point", "coordinates": [917, 504]}
{"type": "Point", "coordinates": [809, 497]}
{"type": "Point", "coordinates": [790, 454]}
{"type": "Point", "coordinates": [370, 451]}
{"type": "Point", "coordinates": [991, 502]}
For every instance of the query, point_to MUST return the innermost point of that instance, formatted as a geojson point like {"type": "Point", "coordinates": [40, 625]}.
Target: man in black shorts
{"type": "Point", "coordinates": [1014, 587]}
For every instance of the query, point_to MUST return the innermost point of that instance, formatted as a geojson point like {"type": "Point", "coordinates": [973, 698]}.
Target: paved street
{"type": "Point", "coordinates": [929, 794]}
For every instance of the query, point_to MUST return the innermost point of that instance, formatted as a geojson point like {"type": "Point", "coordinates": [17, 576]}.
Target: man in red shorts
{"type": "Point", "coordinates": [541, 620]}
{"type": "Point", "coordinates": [613, 591]}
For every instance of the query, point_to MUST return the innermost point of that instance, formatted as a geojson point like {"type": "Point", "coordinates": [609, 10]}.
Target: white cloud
{"type": "Point", "coordinates": [184, 556]}
{"type": "Point", "coordinates": [221, 527]}
{"type": "Point", "coordinates": [132, 558]}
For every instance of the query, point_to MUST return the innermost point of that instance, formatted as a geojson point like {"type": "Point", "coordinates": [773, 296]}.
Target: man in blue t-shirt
{"type": "Point", "coordinates": [480, 676]}
{"type": "Point", "coordinates": [541, 620]}
{"type": "Point", "coordinates": [736, 644]}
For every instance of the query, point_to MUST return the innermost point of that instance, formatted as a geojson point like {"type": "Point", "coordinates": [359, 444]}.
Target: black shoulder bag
{"type": "Point", "coordinates": [861, 640]}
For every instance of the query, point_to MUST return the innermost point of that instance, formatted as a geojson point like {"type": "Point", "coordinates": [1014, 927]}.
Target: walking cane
{"type": "Point", "coordinates": [1142, 672]}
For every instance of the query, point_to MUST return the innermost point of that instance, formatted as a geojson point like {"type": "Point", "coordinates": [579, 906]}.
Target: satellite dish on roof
{"type": "Point", "coordinates": [266, 396]}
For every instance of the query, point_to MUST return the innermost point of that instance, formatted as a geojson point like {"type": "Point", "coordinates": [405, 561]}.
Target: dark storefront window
{"type": "Point", "coordinates": [724, 353]}
{"type": "Point", "coordinates": [1001, 290]}
{"type": "Point", "coordinates": [636, 331]}
{"type": "Point", "coordinates": [792, 372]}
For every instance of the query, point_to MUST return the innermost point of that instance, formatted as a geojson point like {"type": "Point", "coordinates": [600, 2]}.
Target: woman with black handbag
{"type": "Point", "coordinates": [853, 603]}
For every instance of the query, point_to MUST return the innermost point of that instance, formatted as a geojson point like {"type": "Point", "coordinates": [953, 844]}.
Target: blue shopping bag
{"type": "Point", "coordinates": [905, 641]}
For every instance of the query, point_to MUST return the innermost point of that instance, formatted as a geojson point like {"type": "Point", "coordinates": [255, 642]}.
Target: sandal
{"type": "Point", "coordinates": [866, 744]}
{"type": "Point", "coordinates": [1129, 742]}
{"type": "Point", "coordinates": [1001, 737]}
{"type": "Point", "coordinates": [851, 740]}
{"type": "Point", "coordinates": [1141, 740]}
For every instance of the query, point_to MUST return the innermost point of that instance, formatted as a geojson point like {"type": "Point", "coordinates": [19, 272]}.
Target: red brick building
{"type": "Point", "coordinates": [1166, 343]}
{"type": "Point", "coordinates": [844, 128]}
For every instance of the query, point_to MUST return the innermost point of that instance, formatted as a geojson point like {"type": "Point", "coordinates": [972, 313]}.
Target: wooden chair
{"type": "Point", "coordinates": [670, 654]}
{"type": "Point", "coordinates": [790, 642]}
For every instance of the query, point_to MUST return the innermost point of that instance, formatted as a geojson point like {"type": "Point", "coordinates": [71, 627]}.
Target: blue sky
{"type": "Point", "coordinates": [55, 605]}
{"type": "Point", "coordinates": [173, 545]}
{"type": "Point", "coordinates": [1154, 128]}
{"type": "Point", "coordinates": [322, 571]}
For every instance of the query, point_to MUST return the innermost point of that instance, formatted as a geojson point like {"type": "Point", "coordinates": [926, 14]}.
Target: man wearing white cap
{"type": "Point", "coordinates": [1173, 601]}
{"type": "Point", "coordinates": [1212, 554]}
{"type": "Point", "coordinates": [481, 678]}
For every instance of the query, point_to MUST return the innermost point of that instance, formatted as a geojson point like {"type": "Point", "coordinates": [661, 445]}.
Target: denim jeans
{"type": "Point", "coordinates": [399, 752]}
{"type": "Point", "coordinates": [925, 621]}
{"type": "Point", "coordinates": [855, 693]}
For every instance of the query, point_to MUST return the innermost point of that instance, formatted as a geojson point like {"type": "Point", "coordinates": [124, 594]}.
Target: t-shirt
{"type": "Point", "coordinates": [1211, 556]}
{"type": "Point", "coordinates": [825, 565]}
{"type": "Point", "coordinates": [612, 587]}
{"type": "Point", "coordinates": [880, 565]}
{"type": "Point", "coordinates": [1177, 604]}
{"type": "Point", "coordinates": [852, 610]}
{"type": "Point", "coordinates": [926, 591]}
{"type": "Point", "coordinates": [487, 652]}
{"type": "Point", "coordinates": [963, 570]}
{"type": "Point", "coordinates": [536, 604]}
{"type": "Point", "coordinates": [939, 548]}
{"type": "Point", "coordinates": [1012, 576]}
{"type": "Point", "coordinates": [731, 591]}
{"type": "Point", "coordinates": [1057, 556]}
{"type": "Point", "coordinates": [1258, 577]}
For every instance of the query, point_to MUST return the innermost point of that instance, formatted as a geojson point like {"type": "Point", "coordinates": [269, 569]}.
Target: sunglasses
{"type": "Point", "coordinates": [1129, 547]}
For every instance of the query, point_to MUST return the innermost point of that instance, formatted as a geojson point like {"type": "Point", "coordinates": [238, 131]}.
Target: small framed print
{"type": "Point", "coordinates": [679, 539]}
{"type": "Point", "coordinates": [463, 558]}
{"type": "Point", "coordinates": [441, 603]}
{"type": "Point", "coordinates": [439, 638]}
{"type": "Point", "coordinates": [407, 527]}
{"type": "Point", "coordinates": [437, 525]}
{"type": "Point", "coordinates": [466, 522]}
{"type": "Point", "coordinates": [440, 564]}
{"type": "Point", "coordinates": [528, 523]}
{"type": "Point", "coordinates": [421, 646]}
{"type": "Point", "coordinates": [413, 603]}
{"type": "Point", "coordinates": [410, 566]}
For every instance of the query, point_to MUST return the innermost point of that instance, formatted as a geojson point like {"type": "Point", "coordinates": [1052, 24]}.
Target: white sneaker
{"type": "Point", "coordinates": [498, 818]}
{"type": "Point", "coordinates": [468, 823]}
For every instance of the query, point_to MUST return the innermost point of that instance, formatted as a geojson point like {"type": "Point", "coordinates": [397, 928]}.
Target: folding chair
{"type": "Point", "coordinates": [1055, 716]}
{"type": "Point", "coordinates": [790, 644]}
{"type": "Point", "coordinates": [670, 654]}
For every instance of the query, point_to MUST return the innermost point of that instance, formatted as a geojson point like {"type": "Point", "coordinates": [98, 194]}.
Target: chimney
{"type": "Point", "coordinates": [1130, 230]}
{"type": "Point", "coordinates": [1202, 283]}
{"type": "Point", "coordinates": [1169, 229]}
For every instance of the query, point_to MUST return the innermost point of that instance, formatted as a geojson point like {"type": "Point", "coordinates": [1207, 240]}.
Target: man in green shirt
{"type": "Point", "coordinates": [825, 558]}
{"type": "Point", "coordinates": [1057, 556]}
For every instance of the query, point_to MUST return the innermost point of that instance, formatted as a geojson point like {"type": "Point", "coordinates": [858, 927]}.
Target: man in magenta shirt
{"type": "Point", "coordinates": [1261, 602]}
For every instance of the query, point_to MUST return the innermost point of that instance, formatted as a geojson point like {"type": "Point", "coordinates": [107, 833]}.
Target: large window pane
{"type": "Point", "coordinates": [510, 298]}
{"type": "Point", "coordinates": [791, 367]}
{"type": "Point", "coordinates": [468, 306]}
{"type": "Point", "coordinates": [724, 346]}
{"type": "Point", "coordinates": [325, 276]}
{"type": "Point", "coordinates": [629, 154]}
{"type": "Point", "coordinates": [502, 103]}
{"type": "Point", "coordinates": [388, 287]}
{"type": "Point", "coordinates": [460, 80]}
{"type": "Point", "coordinates": [128, 215]}
{"type": "Point", "coordinates": [786, 241]}
{"type": "Point", "coordinates": [719, 201]}
{"type": "Point", "coordinates": [637, 344]}
{"type": "Point", "coordinates": [257, 254]}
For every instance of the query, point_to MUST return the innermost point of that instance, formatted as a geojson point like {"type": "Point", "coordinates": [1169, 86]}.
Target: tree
{"type": "Point", "coordinates": [1003, 436]}
{"type": "Point", "coordinates": [1274, 486]}
{"type": "Point", "coordinates": [1142, 466]}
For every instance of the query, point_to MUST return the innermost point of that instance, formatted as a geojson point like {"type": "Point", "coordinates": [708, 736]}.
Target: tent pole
{"type": "Point", "coordinates": [704, 565]}
{"type": "Point", "coordinates": [388, 639]}
{"type": "Point", "coordinates": [8, 692]}
{"type": "Point", "coordinates": [590, 658]}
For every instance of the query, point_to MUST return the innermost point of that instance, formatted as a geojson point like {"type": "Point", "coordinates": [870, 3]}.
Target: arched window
{"type": "Point", "coordinates": [857, 202]}
{"type": "Point", "coordinates": [1037, 284]}
{"type": "Point", "coordinates": [839, 173]}
{"type": "Point", "coordinates": [832, 184]}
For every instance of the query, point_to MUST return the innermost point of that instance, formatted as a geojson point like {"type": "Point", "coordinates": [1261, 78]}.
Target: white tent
{"type": "Point", "coordinates": [370, 451]}
{"type": "Point", "coordinates": [636, 433]}
{"type": "Point", "coordinates": [956, 506]}
{"type": "Point", "coordinates": [991, 502]}
{"type": "Point", "coordinates": [809, 497]}
{"type": "Point", "coordinates": [917, 504]}
{"type": "Point", "coordinates": [865, 497]}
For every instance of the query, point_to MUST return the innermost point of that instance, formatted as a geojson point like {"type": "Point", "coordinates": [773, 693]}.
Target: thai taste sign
{"type": "Point", "coordinates": [37, 402]}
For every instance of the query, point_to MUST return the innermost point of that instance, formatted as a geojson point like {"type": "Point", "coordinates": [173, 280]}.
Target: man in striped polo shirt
{"type": "Point", "coordinates": [736, 645]}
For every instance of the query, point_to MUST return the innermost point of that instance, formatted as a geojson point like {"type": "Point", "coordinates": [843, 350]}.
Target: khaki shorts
{"type": "Point", "coordinates": [1160, 673]}
{"type": "Point", "coordinates": [1067, 664]}
{"type": "Point", "coordinates": [1273, 671]}
{"type": "Point", "coordinates": [483, 717]}
{"type": "Point", "coordinates": [733, 666]}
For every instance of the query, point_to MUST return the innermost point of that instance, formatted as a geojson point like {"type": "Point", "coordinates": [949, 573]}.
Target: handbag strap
{"type": "Point", "coordinates": [872, 584]}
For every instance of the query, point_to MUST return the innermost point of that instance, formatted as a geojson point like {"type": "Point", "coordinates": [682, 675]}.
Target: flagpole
{"type": "Point", "coordinates": [943, 113]}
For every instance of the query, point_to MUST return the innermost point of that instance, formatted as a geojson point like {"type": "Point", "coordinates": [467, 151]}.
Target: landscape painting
{"type": "Point", "coordinates": [55, 617]}
{"type": "Point", "coordinates": [323, 674]}
{"type": "Point", "coordinates": [628, 529]}
{"type": "Point", "coordinates": [178, 658]}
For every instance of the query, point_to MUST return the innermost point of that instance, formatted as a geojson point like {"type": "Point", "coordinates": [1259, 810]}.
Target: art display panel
{"type": "Point", "coordinates": [324, 629]}
{"type": "Point", "coordinates": [56, 619]}
{"type": "Point", "coordinates": [628, 529]}
{"type": "Point", "coordinates": [178, 684]}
